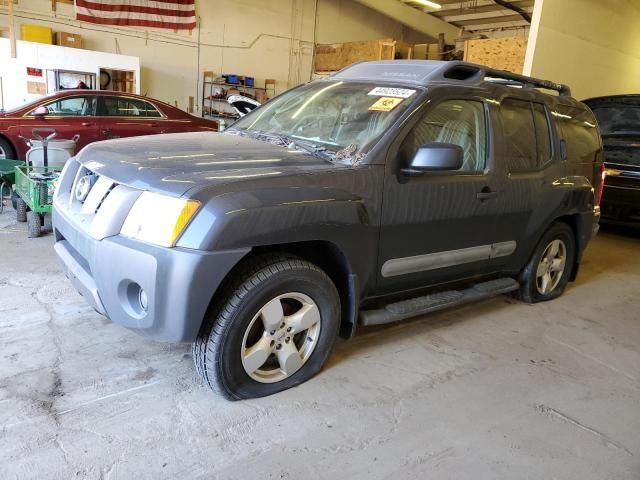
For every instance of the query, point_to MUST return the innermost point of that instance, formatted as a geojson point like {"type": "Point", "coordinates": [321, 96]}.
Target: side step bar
{"type": "Point", "coordinates": [436, 301]}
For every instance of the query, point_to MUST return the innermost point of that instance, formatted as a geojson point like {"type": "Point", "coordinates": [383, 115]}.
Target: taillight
{"type": "Point", "coordinates": [600, 185]}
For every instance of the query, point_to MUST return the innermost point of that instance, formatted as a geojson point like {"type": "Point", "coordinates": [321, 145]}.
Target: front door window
{"type": "Point", "coordinates": [459, 122]}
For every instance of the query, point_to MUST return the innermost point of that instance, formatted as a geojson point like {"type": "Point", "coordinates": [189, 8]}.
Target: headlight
{"type": "Point", "coordinates": [158, 219]}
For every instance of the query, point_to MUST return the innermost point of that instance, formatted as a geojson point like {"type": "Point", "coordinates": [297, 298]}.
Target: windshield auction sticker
{"type": "Point", "coordinates": [392, 92]}
{"type": "Point", "coordinates": [385, 104]}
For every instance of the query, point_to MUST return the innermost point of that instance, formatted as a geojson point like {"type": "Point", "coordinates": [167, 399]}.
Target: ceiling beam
{"type": "Point", "coordinates": [410, 17]}
{"type": "Point", "coordinates": [489, 20]}
{"type": "Point", "coordinates": [450, 12]}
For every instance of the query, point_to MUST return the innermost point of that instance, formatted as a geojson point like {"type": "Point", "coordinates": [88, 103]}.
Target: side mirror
{"type": "Point", "coordinates": [435, 157]}
{"type": "Point", "coordinates": [41, 111]}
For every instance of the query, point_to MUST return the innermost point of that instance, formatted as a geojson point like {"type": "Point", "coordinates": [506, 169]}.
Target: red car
{"type": "Point", "coordinates": [94, 115]}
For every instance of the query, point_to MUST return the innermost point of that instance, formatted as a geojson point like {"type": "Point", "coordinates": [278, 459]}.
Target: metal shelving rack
{"type": "Point", "coordinates": [223, 109]}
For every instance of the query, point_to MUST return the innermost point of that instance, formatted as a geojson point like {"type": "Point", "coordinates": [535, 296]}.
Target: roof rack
{"type": "Point", "coordinates": [529, 82]}
{"type": "Point", "coordinates": [503, 77]}
{"type": "Point", "coordinates": [422, 72]}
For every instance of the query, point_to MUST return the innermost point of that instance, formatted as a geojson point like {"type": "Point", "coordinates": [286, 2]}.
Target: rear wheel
{"type": "Point", "coordinates": [546, 275]}
{"type": "Point", "coordinates": [273, 328]}
{"type": "Point", "coordinates": [6, 150]}
{"type": "Point", "coordinates": [46, 223]}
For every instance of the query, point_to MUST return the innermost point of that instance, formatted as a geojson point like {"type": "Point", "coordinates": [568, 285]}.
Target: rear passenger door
{"type": "Point", "coordinates": [528, 172]}
{"type": "Point", "coordinates": [129, 117]}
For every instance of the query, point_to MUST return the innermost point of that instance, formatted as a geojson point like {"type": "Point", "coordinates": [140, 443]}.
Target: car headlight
{"type": "Point", "coordinates": [158, 219]}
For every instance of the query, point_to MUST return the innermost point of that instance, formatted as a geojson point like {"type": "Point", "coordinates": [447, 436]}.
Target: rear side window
{"type": "Point", "coordinates": [543, 133]}
{"type": "Point", "coordinates": [460, 122]}
{"type": "Point", "coordinates": [128, 107]}
{"type": "Point", "coordinates": [580, 134]}
{"type": "Point", "coordinates": [519, 135]}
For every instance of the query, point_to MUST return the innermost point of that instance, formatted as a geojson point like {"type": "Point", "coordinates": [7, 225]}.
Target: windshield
{"type": "Point", "coordinates": [341, 119]}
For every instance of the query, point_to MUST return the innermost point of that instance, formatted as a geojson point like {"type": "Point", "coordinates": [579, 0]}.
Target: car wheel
{"type": "Point", "coordinates": [46, 223]}
{"type": "Point", "coordinates": [21, 210]}
{"type": "Point", "coordinates": [14, 200]}
{"type": "Point", "coordinates": [6, 150]}
{"type": "Point", "coordinates": [272, 328]}
{"type": "Point", "coordinates": [546, 275]}
{"type": "Point", "coordinates": [34, 224]}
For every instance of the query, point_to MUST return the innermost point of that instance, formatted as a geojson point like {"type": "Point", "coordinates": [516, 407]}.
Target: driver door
{"type": "Point", "coordinates": [69, 116]}
{"type": "Point", "coordinates": [436, 227]}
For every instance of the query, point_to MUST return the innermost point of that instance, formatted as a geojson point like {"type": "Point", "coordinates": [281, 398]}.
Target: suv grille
{"type": "Point", "coordinates": [96, 204]}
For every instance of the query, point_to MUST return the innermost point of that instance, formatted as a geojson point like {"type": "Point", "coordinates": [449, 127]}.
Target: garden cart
{"type": "Point", "coordinates": [7, 178]}
{"type": "Point", "coordinates": [34, 186]}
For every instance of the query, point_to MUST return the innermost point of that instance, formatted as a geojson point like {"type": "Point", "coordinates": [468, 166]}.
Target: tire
{"type": "Point", "coordinates": [14, 200]}
{"type": "Point", "coordinates": [21, 210]}
{"type": "Point", "coordinates": [34, 224]}
{"type": "Point", "coordinates": [46, 223]}
{"type": "Point", "coordinates": [559, 238]}
{"type": "Point", "coordinates": [6, 149]}
{"type": "Point", "coordinates": [237, 326]}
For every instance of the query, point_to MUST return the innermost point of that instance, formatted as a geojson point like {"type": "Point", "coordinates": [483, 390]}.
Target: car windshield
{"type": "Point", "coordinates": [339, 119]}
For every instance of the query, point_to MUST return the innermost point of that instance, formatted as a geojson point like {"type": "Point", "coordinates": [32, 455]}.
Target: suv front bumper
{"type": "Point", "coordinates": [178, 283]}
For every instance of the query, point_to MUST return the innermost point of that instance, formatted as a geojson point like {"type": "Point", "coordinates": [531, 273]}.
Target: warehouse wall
{"type": "Point", "coordinates": [591, 45]}
{"type": "Point", "coordinates": [345, 21]}
{"type": "Point", "coordinates": [263, 38]}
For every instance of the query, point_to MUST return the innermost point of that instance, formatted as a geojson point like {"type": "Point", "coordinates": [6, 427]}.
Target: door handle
{"type": "Point", "coordinates": [486, 194]}
{"type": "Point", "coordinates": [88, 124]}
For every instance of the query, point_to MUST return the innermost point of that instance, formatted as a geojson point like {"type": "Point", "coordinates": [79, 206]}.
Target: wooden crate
{"type": "Point", "coordinates": [501, 53]}
{"type": "Point", "coordinates": [333, 57]}
{"type": "Point", "coordinates": [426, 51]}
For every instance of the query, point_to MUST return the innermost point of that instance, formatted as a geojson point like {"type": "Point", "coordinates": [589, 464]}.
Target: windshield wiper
{"type": "Point", "coordinates": [287, 141]}
{"type": "Point", "coordinates": [317, 150]}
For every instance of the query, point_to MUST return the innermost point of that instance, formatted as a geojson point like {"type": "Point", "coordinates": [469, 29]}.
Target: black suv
{"type": "Point", "coordinates": [388, 190]}
{"type": "Point", "coordinates": [619, 120]}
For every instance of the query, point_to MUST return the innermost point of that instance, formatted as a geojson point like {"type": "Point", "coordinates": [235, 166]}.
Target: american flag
{"type": "Point", "coordinates": [173, 14]}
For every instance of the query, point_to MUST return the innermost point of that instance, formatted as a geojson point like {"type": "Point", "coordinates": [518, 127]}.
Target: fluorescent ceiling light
{"type": "Point", "coordinates": [428, 3]}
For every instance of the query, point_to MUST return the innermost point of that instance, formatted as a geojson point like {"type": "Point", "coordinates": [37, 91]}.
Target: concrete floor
{"type": "Point", "coordinates": [495, 390]}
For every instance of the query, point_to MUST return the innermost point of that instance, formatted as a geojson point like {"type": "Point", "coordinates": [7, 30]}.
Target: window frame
{"type": "Point", "coordinates": [50, 101]}
{"type": "Point", "coordinates": [102, 111]}
{"type": "Point", "coordinates": [553, 129]}
{"type": "Point", "coordinates": [425, 109]}
{"type": "Point", "coordinates": [536, 167]}
{"type": "Point", "coordinates": [551, 134]}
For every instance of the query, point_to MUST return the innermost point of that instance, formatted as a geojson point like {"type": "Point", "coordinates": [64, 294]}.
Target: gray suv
{"type": "Point", "coordinates": [385, 191]}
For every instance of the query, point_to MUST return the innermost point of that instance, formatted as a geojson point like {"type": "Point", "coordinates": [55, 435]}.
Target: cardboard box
{"type": "Point", "coordinates": [65, 39]}
{"type": "Point", "coordinates": [36, 33]}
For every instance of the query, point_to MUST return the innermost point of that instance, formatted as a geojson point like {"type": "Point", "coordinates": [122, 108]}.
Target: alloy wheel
{"type": "Point", "coordinates": [281, 337]}
{"type": "Point", "coordinates": [551, 267]}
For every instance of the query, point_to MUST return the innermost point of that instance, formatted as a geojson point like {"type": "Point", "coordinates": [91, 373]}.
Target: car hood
{"type": "Point", "coordinates": [179, 162]}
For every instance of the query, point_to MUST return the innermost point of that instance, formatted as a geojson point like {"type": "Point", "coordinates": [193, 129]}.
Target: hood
{"type": "Point", "coordinates": [176, 163]}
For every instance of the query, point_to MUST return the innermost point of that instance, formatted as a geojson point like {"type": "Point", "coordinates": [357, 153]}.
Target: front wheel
{"type": "Point", "coordinates": [272, 328]}
{"type": "Point", "coordinates": [21, 210]}
{"type": "Point", "coordinates": [34, 224]}
{"type": "Point", "coordinates": [546, 275]}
